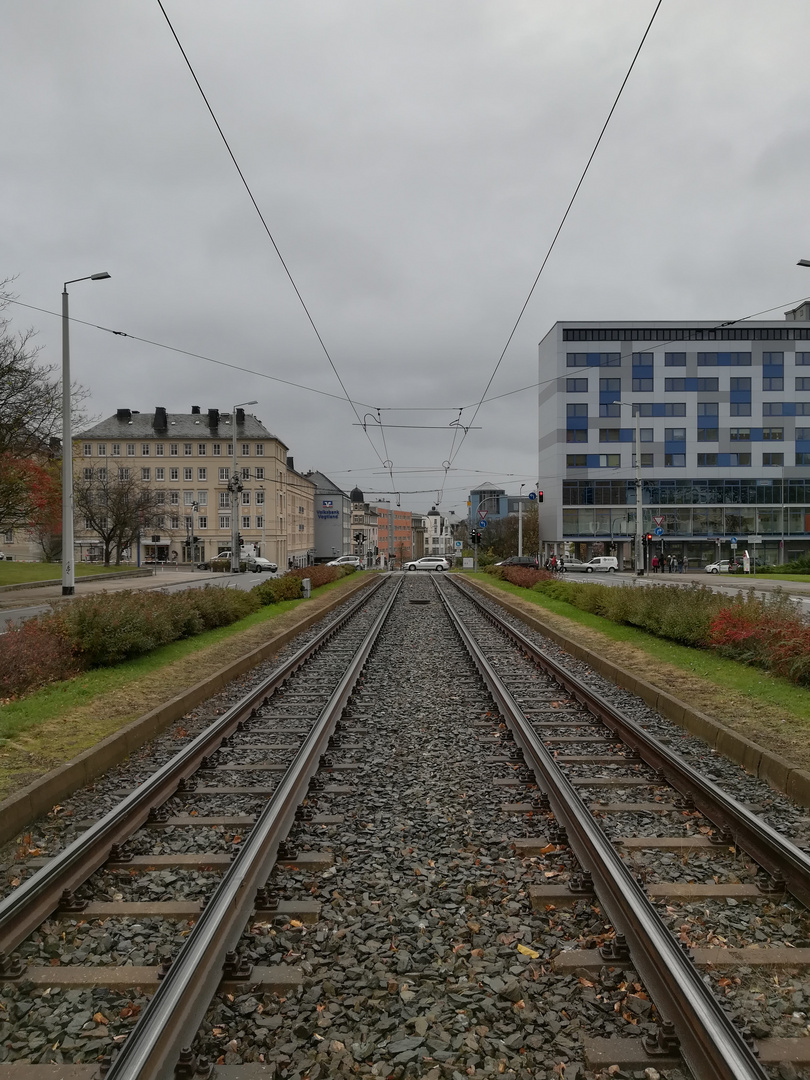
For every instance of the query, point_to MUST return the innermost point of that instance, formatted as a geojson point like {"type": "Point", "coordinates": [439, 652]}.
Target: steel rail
{"type": "Point", "coordinates": [38, 896]}
{"type": "Point", "coordinates": [738, 825]}
{"type": "Point", "coordinates": [173, 1015]}
{"type": "Point", "coordinates": [712, 1046]}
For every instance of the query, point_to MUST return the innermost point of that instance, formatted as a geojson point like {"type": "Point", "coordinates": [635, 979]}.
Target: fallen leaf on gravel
{"type": "Point", "coordinates": [526, 951]}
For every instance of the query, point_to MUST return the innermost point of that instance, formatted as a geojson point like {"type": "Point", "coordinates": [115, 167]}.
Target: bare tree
{"type": "Point", "coordinates": [116, 507]}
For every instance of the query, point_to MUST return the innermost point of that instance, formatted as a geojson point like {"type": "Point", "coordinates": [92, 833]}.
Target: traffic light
{"type": "Point", "coordinates": [539, 496]}
{"type": "Point", "coordinates": [358, 538]}
{"type": "Point", "coordinates": [649, 537]}
{"type": "Point", "coordinates": [239, 542]}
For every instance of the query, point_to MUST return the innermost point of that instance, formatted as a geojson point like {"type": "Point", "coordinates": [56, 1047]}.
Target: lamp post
{"type": "Point", "coordinates": [639, 507]}
{"type": "Point", "coordinates": [68, 574]}
{"type": "Point", "coordinates": [520, 519]}
{"type": "Point", "coordinates": [264, 520]}
{"type": "Point", "coordinates": [235, 486]}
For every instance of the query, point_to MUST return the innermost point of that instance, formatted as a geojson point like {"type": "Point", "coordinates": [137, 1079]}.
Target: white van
{"type": "Point", "coordinates": [607, 564]}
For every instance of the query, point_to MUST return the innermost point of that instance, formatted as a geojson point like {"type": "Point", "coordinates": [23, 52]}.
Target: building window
{"type": "Point", "coordinates": [245, 498]}
{"type": "Point", "coordinates": [609, 461]}
{"type": "Point", "coordinates": [802, 359]}
{"type": "Point", "coordinates": [773, 459]}
{"type": "Point", "coordinates": [707, 385]}
{"type": "Point", "coordinates": [88, 449]}
{"type": "Point", "coordinates": [675, 359]}
{"type": "Point", "coordinates": [174, 521]}
{"type": "Point", "coordinates": [159, 449]}
{"type": "Point", "coordinates": [145, 449]}
{"type": "Point", "coordinates": [300, 509]}
{"type": "Point", "coordinates": [202, 473]}
{"type": "Point", "coordinates": [739, 434]}
{"type": "Point", "coordinates": [101, 473]}
{"type": "Point", "coordinates": [739, 459]}
{"type": "Point", "coordinates": [708, 434]}
{"type": "Point", "coordinates": [610, 386]}
{"type": "Point", "coordinates": [610, 434]}
{"type": "Point", "coordinates": [707, 461]}
{"type": "Point", "coordinates": [188, 473]}
{"type": "Point", "coordinates": [87, 474]}
{"type": "Point", "coordinates": [708, 408]}
{"type": "Point", "coordinates": [224, 473]}
{"type": "Point", "coordinates": [300, 528]}
{"type": "Point", "coordinates": [773, 434]}
{"type": "Point", "coordinates": [160, 497]}
{"type": "Point", "coordinates": [201, 449]}
{"type": "Point", "coordinates": [733, 359]}
{"type": "Point", "coordinates": [645, 434]}
{"type": "Point", "coordinates": [801, 384]}
{"type": "Point", "coordinates": [116, 449]}
{"type": "Point", "coordinates": [802, 459]}
{"type": "Point", "coordinates": [740, 384]}
{"type": "Point", "coordinates": [646, 461]}
{"type": "Point", "coordinates": [576, 461]}
{"type": "Point", "coordinates": [642, 385]}
{"type": "Point", "coordinates": [779, 384]}
{"type": "Point", "coordinates": [224, 500]}
{"type": "Point", "coordinates": [675, 434]}
{"type": "Point", "coordinates": [246, 521]}
{"type": "Point", "coordinates": [260, 498]}
{"type": "Point", "coordinates": [202, 498]}
{"type": "Point", "coordinates": [245, 449]}
{"type": "Point", "coordinates": [245, 474]}
{"type": "Point", "coordinates": [260, 522]}
{"type": "Point", "coordinates": [674, 461]}
{"type": "Point", "coordinates": [174, 498]}
{"type": "Point", "coordinates": [146, 474]}
{"type": "Point", "coordinates": [216, 449]}
{"type": "Point", "coordinates": [610, 409]}
{"type": "Point", "coordinates": [174, 449]}
{"type": "Point", "coordinates": [130, 449]}
{"type": "Point", "coordinates": [642, 359]}
{"type": "Point", "coordinates": [123, 474]}
{"type": "Point", "coordinates": [576, 410]}
{"type": "Point", "coordinates": [772, 408]}
{"type": "Point", "coordinates": [773, 358]}
{"type": "Point", "coordinates": [174, 473]}
{"type": "Point", "coordinates": [576, 386]}
{"type": "Point", "coordinates": [160, 473]}
{"type": "Point", "coordinates": [102, 449]}
{"type": "Point", "coordinates": [259, 449]}
{"type": "Point", "coordinates": [260, 473]}
{"type": "Point", "coordinates": [740, 408]}
{"type": "Point", "coordinates": [230, 449]}
{"type": "Point", "coordinates": [202, 522]}
{"type": "Point", "coordinates": [674, 385]}
{"type": "Point", "coordinates": [188, 498]}
{"type": "Point", "coordinates": [188, 449]}
{"type": "Point", "coordinates": [576, 435]}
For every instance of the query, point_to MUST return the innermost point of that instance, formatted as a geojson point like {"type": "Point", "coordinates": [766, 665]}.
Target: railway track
{"type": "Point", "coordinates": [403, 927]}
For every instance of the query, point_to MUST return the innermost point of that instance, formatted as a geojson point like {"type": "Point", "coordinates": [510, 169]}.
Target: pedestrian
{"type": "Point", "coordinates": [674, 564]}
{"type": "Point", "coordinates": [562, 565]}
{"type": "Point", "coordinates": [553, 563]}
{"type": "Point", "coordinates": [684, 564]}
{"type": "Point", "coordinates": [655, 564]}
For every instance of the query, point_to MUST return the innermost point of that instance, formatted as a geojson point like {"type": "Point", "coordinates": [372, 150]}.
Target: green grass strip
{"type": "Point", "coordinates": [725, 674]}
{"type": "Point", "coordinates": [19, 573]}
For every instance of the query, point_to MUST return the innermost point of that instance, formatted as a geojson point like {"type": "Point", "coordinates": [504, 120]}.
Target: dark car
{"type": "Point", "coordinates": [520, 560]}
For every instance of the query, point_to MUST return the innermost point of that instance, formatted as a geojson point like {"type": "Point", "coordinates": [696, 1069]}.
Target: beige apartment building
{"type": "Point", "coordinates": [186, 460]}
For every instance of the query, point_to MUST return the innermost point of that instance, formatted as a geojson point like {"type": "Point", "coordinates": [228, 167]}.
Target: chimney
{"type": "Point", "coordinates": [240, 416]}
{"type": "Point", "coordinates": [195, 410]}
{"type": "Point", "coordinates": [124, 415]}
{"type": "Point", "coordinates": [160, 421]}
{"type": "Point", "coordinates": [213, 418]}
{"type": "Point", "coordinates": [290, 464]}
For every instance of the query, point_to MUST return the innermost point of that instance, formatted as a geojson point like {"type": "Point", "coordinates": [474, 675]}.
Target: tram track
{"type": "Point", "coordinates": [398, 832]}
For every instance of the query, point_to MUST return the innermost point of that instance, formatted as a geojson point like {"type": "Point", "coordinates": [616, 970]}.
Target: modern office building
{"type": "Point", "coordinates": [723, 419]}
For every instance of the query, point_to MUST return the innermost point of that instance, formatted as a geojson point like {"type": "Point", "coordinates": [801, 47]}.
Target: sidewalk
{"type": "Point", "coordinates": [45, 594]}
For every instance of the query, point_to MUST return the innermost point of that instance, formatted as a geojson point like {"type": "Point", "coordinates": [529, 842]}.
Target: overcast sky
{"type": "Point", "coordinates": [412, 161]}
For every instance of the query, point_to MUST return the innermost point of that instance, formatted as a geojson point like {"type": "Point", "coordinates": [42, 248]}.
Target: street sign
{"type": "Point", "coordinates": [754, 539]}
{"type": "Point", "coordinates": [658, 520]}
{"type": "Point", "coordinates": [459, 544]}
{"type": "Point", "coordinates": [532, 495]}
{"type": "Point", "coordinates": [659, 531]}
{"type": "Point", "coordinates": [483, 513]}
{"type": "Point", "coordinates": [734, 541]}
{"type": "Point", "coordinates": [482, 524]}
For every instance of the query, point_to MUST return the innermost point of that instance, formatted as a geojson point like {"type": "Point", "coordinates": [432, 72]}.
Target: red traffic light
{"type": "Point", "coordinates": [539, 496]}
{"type": "Point", "coordinates": [649, 536]}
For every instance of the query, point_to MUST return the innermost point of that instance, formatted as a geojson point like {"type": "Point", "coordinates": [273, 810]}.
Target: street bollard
{"type": "Point", "coordinates": [306, 588]}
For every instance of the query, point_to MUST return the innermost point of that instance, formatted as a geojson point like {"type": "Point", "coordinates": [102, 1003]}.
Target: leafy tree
{"type": "Point", "coordinates": [116, 507]}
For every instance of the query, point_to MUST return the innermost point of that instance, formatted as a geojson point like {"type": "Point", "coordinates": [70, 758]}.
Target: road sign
{"type": "Point", "coordinates": [532, 495]}
{"type": "Point", "coordinates": [658, 520]}
{"type": "Point", "coordinates": [734, 541]}
{"type": "Point", "coordinates": [482, 524]}
{"type": "Point", "coordinates": [659, 531]}
{"type": "Point", "coordinates": [459, 544]}
{"type": "Point", "coordinates": [754, 539]}
{"type": "Point", "coordinates": [483, 513]}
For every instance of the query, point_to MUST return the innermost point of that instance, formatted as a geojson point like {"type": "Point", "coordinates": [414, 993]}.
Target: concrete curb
{"type": "Point", "coordinates": [775, 770]}
{"type": "Point", "coordinates": [38, 798]}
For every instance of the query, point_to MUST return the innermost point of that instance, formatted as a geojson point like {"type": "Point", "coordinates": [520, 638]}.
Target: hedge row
{"type": "Point", "coordinates": [764, 632]}
{"type": "Point", "coordinates": [108, 628]}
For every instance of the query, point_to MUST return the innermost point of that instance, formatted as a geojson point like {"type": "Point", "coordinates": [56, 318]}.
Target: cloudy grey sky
{"type": "Point", "coordinates": [413, 160]}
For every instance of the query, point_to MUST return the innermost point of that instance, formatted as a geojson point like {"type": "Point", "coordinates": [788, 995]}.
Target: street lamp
{"type": "Point", "coordinates": [520, 519]}
{"type": "Point", "coordinates": [639, 510]}
{"type": "Point", "coordinates": [68, 575]}
{"type": "Point", "coordinates": [235, 485]}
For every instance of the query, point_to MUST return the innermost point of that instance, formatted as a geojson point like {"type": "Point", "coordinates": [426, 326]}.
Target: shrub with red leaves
{"type": "Point", "coordinates": [33, 655]}
{"type": "Point", "coordinates": [522, 576]}
{"type": "Point", "coordinates": [321, 574]}
{"type": "Point", "coordinates": [776, 642]}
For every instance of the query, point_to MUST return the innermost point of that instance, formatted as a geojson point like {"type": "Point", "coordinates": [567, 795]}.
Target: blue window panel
{"type": "Point", "coordinates": [576, 422]}
{"type": "Point", "coordinates": [739, 395]}
{"type": "Point", "coordinates": [803, 445]}
{"type": "Point", "coordinates": [643, 371]}
{"type": "Point", "coordinates": [626, 435]}
{"type": "Point", "coordinates": [674, 447]}
{"type": "Point", "coordinates": [789, 408]}
{"type": "Point", "coordinates": [607, 397]}
{"type": "Point", "coordinates": [773, 371]}
{"type": "Point", "coordinates": [756, 435]}
{"type": "Point", "coordinates": [707, 421]}
{"type": "Point", "coordinates": [724, 461]}
{"type": "Point", "coordinates": [593, 461]}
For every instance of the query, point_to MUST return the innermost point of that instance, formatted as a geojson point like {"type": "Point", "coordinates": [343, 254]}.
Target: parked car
{"type": "Point", "coordinates": [347, 560]}
{"type": "Point", "coordinates": [721, 567]}
{"type": "Point", "coordinates": [428, 562]}
{"type": "Point", "coordinates": [606, 564]}
{"type": "Point", "coordinates": [575, 565]}
{"type": "Point", "coordinates": [519, 560]}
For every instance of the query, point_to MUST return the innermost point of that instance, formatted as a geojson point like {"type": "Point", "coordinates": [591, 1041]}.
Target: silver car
{"type": "Point", "coordinates": [429, 562]}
